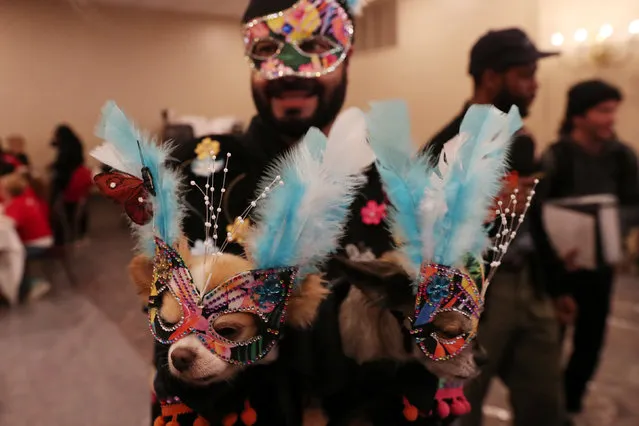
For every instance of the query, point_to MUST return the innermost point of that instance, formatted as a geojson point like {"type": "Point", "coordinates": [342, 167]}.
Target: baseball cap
{"type": "Point", "coordinates": [501, 49]}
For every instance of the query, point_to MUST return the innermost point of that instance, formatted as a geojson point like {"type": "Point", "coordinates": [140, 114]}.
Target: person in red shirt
{"type": "Point", "coordinates": [32, 225]}
{"type": "Point", "coordinates": [70, 187]}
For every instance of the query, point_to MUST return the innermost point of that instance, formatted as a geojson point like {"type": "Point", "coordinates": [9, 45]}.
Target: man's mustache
{"type": "Point", "coordinates": [275, 88]}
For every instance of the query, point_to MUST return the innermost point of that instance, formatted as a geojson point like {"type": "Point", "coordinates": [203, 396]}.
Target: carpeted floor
{"type": "Point", "coordinates": [81, 355]}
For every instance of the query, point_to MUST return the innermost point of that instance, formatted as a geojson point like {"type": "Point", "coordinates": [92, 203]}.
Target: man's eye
{"type": "Point", "coordinates": [265, 48]}
{"type": "Point", "coordinates": [316, 45]}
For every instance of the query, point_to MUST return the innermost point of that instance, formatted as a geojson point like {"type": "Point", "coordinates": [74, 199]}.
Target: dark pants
{"type": "Point", "coordinates": [592, 292]}
{"type": "Point", "coordinates": [70, 223]}
{"type": "Point", "coordinates": [520, 334]}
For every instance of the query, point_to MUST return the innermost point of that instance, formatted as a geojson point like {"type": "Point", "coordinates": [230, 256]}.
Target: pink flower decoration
{"type": "Point", "coordinates": [373, 213]}
{"type": "Point", "coordinates": [259, 31]}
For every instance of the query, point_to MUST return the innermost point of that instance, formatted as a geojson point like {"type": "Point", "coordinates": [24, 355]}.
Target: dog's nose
{"type": "Point", "coordinates": [182, 359]}
{"type": "Point", "coordinates": [480, 356]}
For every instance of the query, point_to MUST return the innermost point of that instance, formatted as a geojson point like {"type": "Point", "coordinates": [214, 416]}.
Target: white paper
{"type": "Point", "coordinates": [610, 232]}
{"type": "Point", "coordinates": [569, 230]}
{"type": "Point", "coordinates": [608, 224]}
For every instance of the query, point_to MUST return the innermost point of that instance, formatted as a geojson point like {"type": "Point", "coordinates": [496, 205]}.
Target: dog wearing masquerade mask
{"type": "Point", "coordinates": [420, 306]}
{"type": "Point", "coordinates": [220, 317]}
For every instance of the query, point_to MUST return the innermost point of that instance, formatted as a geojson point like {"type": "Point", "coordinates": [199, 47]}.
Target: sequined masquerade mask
{"type": "Point", "coordinates": [443, 289]}
{"type": "Point", "coordinates": [310, 39]}
{"type": "Point", "coordinates": [263, 294]}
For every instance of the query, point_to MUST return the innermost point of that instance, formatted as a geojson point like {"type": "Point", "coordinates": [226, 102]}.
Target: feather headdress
{"type": "Point", "coordinates": [439, 212]}
{"type": "Point", "coordinates": [126, 149]}
{"type": "Point", "coordinates": [302, 220]}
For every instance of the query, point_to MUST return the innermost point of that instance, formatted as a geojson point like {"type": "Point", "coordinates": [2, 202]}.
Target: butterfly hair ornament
{"type": "Point", "coordinates": [301, 209]}
{"type": "Point", "coordinates": [440, 214]}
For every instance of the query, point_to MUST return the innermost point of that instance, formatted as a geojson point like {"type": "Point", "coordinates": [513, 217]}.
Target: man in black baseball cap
{"type": "Point", "coordinates": [518, 329]}
{"type": "Point", "coordinates": [503, 66]}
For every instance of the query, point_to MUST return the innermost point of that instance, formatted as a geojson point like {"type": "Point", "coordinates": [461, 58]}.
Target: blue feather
{"type": "Point", "coordinates": [439, 212]}
{"type": "Point", "coordinates": [474, 182]}
{"type": "Point", "coordinates": [301, 221]}
{"type": "Point", "coordinates": [117, 130]}
{"type": "Point", "coordinates": [405, 176]}
{"type": "Point", "coordinates": [277, 243]}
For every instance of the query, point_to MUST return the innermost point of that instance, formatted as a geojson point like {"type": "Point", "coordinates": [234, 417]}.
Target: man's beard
{"type": "Point", "coordinates": [504, 100]}
{"type": "Point", "coordinates": [328, 104]}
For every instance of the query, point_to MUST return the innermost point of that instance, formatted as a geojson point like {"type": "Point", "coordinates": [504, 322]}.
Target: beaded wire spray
{"type": "Point", "coordinates": [212, 213]}
{"type": "Point", "coordinates": [509, 224]}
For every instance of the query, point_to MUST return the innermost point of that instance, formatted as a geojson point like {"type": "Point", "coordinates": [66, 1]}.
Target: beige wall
{"type": "Point", "coordinates": [60, 64]}
{"type": "Point", "coordinates": [566, 16]}
{"type": "Point", "coordinates": [428, 68]}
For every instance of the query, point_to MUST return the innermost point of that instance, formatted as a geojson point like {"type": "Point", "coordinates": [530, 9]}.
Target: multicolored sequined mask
{"type": "Point", "coordinates": [443, 289]}
{"type": "Point", "coordinates": [310, 39]}
{"type": "Point", "coordinates": [263, 294]}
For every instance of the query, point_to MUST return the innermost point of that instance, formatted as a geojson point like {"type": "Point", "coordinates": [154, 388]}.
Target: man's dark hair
{"type": "Point", "coordinates": [584, 96]}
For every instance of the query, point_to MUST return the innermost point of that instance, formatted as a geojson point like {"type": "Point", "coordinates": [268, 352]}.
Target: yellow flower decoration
{"type": "Point", "coordinates": [207, 148]}
{"type": "Point", "coordinates": [238, 230]}
{"type": "Point", "coordinates": [305, 24]}
{"type": "Point", "coordinates": [298, 23]}
{"type": "Point", "coordinates": [276, 24]}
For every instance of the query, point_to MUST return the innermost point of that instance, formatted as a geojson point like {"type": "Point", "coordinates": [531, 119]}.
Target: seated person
{"type": "Point", "coordinates": [32, 225]}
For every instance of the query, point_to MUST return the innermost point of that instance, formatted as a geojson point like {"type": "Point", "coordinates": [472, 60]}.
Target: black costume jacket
{"type": "Point", "coordinates": [311, 364]}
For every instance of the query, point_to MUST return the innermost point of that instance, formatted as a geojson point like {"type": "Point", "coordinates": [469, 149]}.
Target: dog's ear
{"type": "Point", "coordinates": [141, 273]}
{"type": "Point", "coordinates": [383, 282]}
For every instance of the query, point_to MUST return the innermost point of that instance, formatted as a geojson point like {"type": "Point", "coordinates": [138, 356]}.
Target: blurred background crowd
{"type": "Point", "coordinates": [571, 66]}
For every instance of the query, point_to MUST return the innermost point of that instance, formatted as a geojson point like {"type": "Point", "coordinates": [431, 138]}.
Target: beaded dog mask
{"type": "Point", "coordinates": [301, 209]}
{"type": "Point", "coordinates": [261, 293]}
{"type": "Point", "coordinates": [440, 215]}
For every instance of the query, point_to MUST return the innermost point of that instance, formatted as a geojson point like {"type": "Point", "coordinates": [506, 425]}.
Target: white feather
{"type": "Point", "coordinates": [109, 155]}
{"type": "Point", "coordinates": [450, 152]}
{"type": "Point", "coordinates": [434, 205]}
{"type": "Point", "coordinates": [347, 150]}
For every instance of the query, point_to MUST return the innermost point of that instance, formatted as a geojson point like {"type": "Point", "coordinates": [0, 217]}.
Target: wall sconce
{"type": "Point", "coordinates": [604, 48]}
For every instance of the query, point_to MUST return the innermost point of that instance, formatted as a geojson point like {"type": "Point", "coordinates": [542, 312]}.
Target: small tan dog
{"type": "Point", "coordinates": [189, 359]}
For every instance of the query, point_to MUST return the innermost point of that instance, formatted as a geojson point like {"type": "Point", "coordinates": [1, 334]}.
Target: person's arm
{"type": "Point", "coordinates": [552, 265]}
{"type": "Point", "coordinates": [628, 177]}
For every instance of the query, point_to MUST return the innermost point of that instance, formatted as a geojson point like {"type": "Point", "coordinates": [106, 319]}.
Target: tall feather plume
{"type": "Point", "coordinates": [301, 221]}
{"type": "Point", "coordinates": [406, 174]}
{"type": "Point", "coordinates": [467, 180]}
{"type": "Point", "coordinates": [120, 151]}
